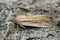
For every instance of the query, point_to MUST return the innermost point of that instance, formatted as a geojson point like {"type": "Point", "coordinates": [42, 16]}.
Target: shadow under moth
{"type": "Point", "coordinates": [36, 21]}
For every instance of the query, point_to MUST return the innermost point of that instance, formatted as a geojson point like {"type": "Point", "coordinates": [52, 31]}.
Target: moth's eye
{"type": "Point", "coordinates": [50, 17]}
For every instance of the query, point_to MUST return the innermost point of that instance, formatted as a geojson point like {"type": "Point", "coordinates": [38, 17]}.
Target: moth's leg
{"type": "Point", "coordinates": [21, 26]}
{"type": "Point", "coordinates": [17, 26]}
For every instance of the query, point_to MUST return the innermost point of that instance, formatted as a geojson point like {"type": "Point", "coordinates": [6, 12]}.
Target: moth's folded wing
{"type": "Point", "coordinates": [34, 24]}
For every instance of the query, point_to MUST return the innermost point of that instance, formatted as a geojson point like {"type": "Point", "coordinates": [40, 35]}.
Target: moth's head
{"type": "Point", "coordinates": [13, 21]}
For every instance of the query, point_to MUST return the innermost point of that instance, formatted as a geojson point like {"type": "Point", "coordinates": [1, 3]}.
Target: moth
{"type": "Point", "coordinates": [36, 21]}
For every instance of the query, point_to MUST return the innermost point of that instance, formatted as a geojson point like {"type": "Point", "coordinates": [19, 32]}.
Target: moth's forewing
{"type": "Point", "coordinates": [36, 21]}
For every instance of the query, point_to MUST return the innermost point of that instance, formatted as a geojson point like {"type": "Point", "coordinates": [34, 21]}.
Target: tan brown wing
{"type": "Point", "coordinates": [36, 21]}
